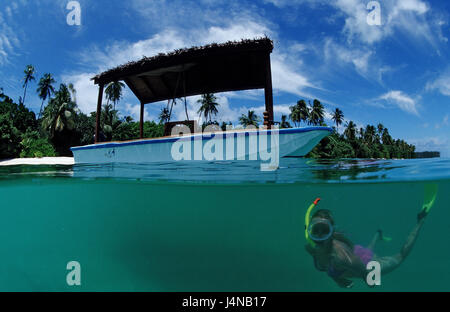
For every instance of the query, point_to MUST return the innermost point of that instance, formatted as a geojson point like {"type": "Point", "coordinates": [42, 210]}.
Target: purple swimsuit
{"type": "Point", "coordinates": [365, 254]}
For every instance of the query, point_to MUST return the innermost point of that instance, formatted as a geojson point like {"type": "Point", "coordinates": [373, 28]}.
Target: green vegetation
{"type": "Point", "coordinates": [29, 77]}
{"type": "Point", "coordinates": [61, 125]}
{"type": "Point", "coordinates": [113, 92]}
{"type": "Point", "coordinates": [368, 142]}
{"type": "Point", "coordinates": [15, 121]}
{"type": "Point", "coordinates": [33, 145]}
{"type": "Point", "coordinates": [251, 119]}
{"type": "Point", "coordinates": [45, 89]}
{"type": "Point", "coordinates": [208, 106]}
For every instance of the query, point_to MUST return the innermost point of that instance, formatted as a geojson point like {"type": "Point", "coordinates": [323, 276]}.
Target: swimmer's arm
{"type": "Point", "coordinates": [342, 265]}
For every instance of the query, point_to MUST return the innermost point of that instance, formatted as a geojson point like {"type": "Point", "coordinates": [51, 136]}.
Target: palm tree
{"type": "Point", "coordinates": [303, 110]}
{"type": "Point", "coordinates": [295, 115]}
{"type": "Point", "coordinates": [164, 115]}
{"type": "Point", "coordinates": [59, 113]}
{"type": "Point", "coordinates": [380, 129]}
{"type": "Point", "coordinates": [369, 134]}
{"type": "Point", "coordinates": [113, 92]}
{"type": "Point", "coordinates": [361, 133]}
{"type": "Point", "coordinates": [225, 125]}
{"type": "Point", "coordinates": [170, 104]}
{"type": "Point", "coordinates": [338, 117]}
{"type": "Point", "coordinates": [299, 112]}
{"type": "Point", "coordinates": [128, 119]}
{"type": "Point", "coordinates": [251, 119]}
{"type": "Point", "coordinates": [109, 120]}
{"type": "Point", "coordinates": [386, 137]}
{"type": "Point", "coordinates": [29, 76]}
{"type": "Point", "coordinates": [109, 114]}
{"type": "Point", "coordinates": [186, 109]}
{"type": "Point", "coordinates": [173, 102]}
{"type": "Point", "coordinates": [45, 89]}
{"type": "Point", "coordinates": [317, 113]}
{"type": "Point", "coordinates": [208, 106]}
{"type": "Point", "coordinates": [284, 123]}
{"type": "Point", "coordinates": [350, 131]}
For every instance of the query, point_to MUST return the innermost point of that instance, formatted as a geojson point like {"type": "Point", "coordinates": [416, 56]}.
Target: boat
{"type": "Point", "coordinates": [220, 146]}
{"type": "Point", "coordinates": [232, 66]}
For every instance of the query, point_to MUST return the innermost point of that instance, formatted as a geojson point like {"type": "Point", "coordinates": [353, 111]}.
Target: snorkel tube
{"type": "Point", "coordinates": [308, 220]}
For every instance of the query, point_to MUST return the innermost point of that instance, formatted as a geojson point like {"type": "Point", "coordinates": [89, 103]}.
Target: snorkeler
{"type": "Point", "coordinates": [342, 260]}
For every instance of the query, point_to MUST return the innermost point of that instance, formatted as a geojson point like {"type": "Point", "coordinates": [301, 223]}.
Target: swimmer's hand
{"type": "Point", "coordinates": [421, 216]}
{"type": "Point", "coordinates": [349, 285]}
{"type": "Point", "coordinates": [344, 283]}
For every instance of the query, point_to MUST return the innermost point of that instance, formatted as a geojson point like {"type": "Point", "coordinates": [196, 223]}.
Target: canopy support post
{"type": "Point", "coordinates": [99, 112]}
{"type": "Point", "coordinates": [268, 94]}
{"type": "Point", "coordinates": [141, 122]}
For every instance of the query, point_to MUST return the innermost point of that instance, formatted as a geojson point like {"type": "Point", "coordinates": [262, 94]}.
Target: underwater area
{"type": "Point", "coordinates": [214, 226]}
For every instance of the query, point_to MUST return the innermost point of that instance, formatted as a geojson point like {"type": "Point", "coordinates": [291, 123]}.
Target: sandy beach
{"type": "Point", "coordinates": [38, 161]}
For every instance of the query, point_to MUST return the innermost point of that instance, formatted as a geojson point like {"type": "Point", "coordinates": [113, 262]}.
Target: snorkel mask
{"type": "Point", "coordinates": [317, 230]}
{"type": "Point", "coordinates": [320, 230]}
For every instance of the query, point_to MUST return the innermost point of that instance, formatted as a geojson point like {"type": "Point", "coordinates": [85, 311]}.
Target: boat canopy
{"type": "Point", "coordinates": [232, 66]}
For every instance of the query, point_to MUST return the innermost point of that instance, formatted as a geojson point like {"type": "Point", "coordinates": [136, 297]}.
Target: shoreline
{"type": "Point", "coordinates": [38, 161]}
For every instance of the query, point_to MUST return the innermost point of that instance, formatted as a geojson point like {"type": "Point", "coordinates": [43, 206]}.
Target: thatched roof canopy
{"type": "Point", "coordinates": [231, 66]}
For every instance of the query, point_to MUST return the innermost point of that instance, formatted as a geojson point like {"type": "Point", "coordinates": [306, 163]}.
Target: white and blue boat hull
{"type": "Point", "coordinates": [231, 145]}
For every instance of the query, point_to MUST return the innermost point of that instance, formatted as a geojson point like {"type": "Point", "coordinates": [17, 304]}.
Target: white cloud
{"type": "Point", "coordinates": [234, 32]}
{"type": "Point", "coordinates": [9, 40]}
{"type": "Point", "coordinates": [286, 78]}
{"type": "Point", "coordinates": [285, 3]}
{"type": "Point", "coordinates": [411, 17]}
{"type": "Point", "coordinates": [358, 58]}
{"type": "Point", "coordinates": [298, 48]}
{"type": "Point", "coordinates": [417, 6]}
{"type": "Point", "coordinates": [407, 16]}
{"type": "Point", "coordinates": [444, 123]}
{"type": "Point", "coordinates": [87, 92]}
{"type": "Point", "coordinates": [356, 21]}
{"type": "Point", "coordinates": [401, 100]}
{"type": "Point", "coordinates": [122, 52]}
{"type": "Point", "coordinates": [442, 83]}
{"type": "Point", "coordinates": [195, 14]}
{"type": "Point", "coordinates": [361, 59]}
{"type": "Point", "coordinates": [134, 110]}
{"type": "Point", "coordinates": [278, 110]}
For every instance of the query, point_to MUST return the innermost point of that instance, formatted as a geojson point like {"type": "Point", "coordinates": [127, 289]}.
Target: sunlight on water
{"type": "Point", "coordinates": [213, 227]}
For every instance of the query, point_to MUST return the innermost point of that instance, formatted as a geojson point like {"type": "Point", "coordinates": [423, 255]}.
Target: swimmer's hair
{"type": "Point", "coordinates": [326, 214]}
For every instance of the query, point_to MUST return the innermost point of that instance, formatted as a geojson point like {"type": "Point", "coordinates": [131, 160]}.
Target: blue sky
{"type": "Point", "coordinates": [396, 73]}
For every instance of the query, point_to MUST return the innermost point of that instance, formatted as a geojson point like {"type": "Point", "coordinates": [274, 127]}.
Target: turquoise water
{"type": "Point", "coordinates": [213, 227]}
